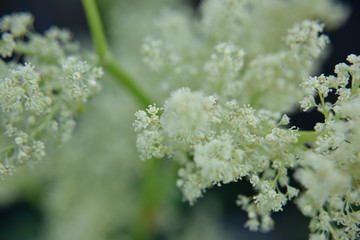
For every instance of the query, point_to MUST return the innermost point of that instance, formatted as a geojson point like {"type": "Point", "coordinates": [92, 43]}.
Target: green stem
{"type": "Point", "coordinates": [96, 29]}
{"type": "Point", "coordinates": [122, 78]}
{"type": "Point", "coordinates": [326, 112]}
{"type": "Point", "coordinates": [355, 87]}
{"type": "Point", "coordinates": [154, 185]}
{"type": "Point", "coordinates": [276, 178]}
{"type": "Point", "coordinates": [103, 52]}
{"type": "Point", "coordinates": [23, 49]}
{"type": "Point", "coordinates": [150, 194]}
{"type": "Point", "coordinates": [306, 137]}
{"type": "Point", "coordinates": [157, 193]}
{"type": "Point", "coordinates": [9, 147]}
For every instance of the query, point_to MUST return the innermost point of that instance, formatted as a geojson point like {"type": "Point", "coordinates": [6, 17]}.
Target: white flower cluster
{"type": "Point", "coordinates": [20, 91]}
{"type": "Point", "coordinates": [40, 94]}
{"type": "Point", "coordinates": [256, 25]}
{"type": "Point", "coordinates": [80, 78]}
{"type": "Point", "coordinates": [218, 143]}
{"type": "Point", "coordinates": [224, 66]}
{"type": "Point", "coordinates": [280, 71]}
{"type": "Point", "coordinates": [17, 24]}
{"type": "Point", "coordinates": [216, 65]}
{"type": "Point", "coordinates": [330, 172]}
{"type": "Point", "coordinates": [215, 141]}
{"type": "Point", "coordinates": [168, 62]}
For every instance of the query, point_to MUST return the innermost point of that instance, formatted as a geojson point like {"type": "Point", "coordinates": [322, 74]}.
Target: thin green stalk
{"type": "Point", "coordinates": [105, 57]}
{"type": "Point", "coordinates": [150, 202]}
{"type": "Point", "coordinates": [157, 193]}
{"type": "Point", "coordinates": [326, 112]}
{"type": "Point", "coordinates": [355, 87]}
{"type": "Point", "coordinates": [11, 146]}
{"type": "Point", "coordinates": [154, 190]}
{"type": "Point", "coordinates": [23, 49]}
{"type": "Point", "coordinates": [306, 137]}
{"type": "Point", "coordinates": [124, 79]}
{"type": "Point", "coordinates": [96, 29]}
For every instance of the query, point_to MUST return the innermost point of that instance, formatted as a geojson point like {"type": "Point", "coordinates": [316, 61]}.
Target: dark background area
{"type": "Point", "coordinates": [25, 217]}
{"type": "Point", "coordinates": [66, 13]}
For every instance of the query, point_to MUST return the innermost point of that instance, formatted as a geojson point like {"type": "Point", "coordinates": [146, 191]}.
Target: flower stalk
{"type": "Point", "coordinates": [105, 57]}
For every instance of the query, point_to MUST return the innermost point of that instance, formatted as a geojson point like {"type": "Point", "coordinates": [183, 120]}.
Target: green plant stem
{"type": "Point", "coordinates": [23, 49]}
{"type": "Point", "coordinates": [105, 57]}
{"type": "Point", "coordinates": [326, 112]}
{"type": "Point", "coordinates": [355, 86]}
{"type": "Point", "coordinates": [306, 137]}
{"type": "Point", "coordinates": [96, 29]}
{"type": "Point", "coordinates": [122, 78]}
{"type": "Point", "coordinates": [154, 191]}
{"type": "Point", "coordinates": [7, 148]}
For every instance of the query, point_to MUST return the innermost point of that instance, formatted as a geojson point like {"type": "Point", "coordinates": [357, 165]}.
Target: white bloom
{"type": "Point", "coordinates": [186, 115]}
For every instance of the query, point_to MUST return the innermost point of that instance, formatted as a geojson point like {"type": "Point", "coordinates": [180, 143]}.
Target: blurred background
{"type": "Point", "coordinates": [24, 204]}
